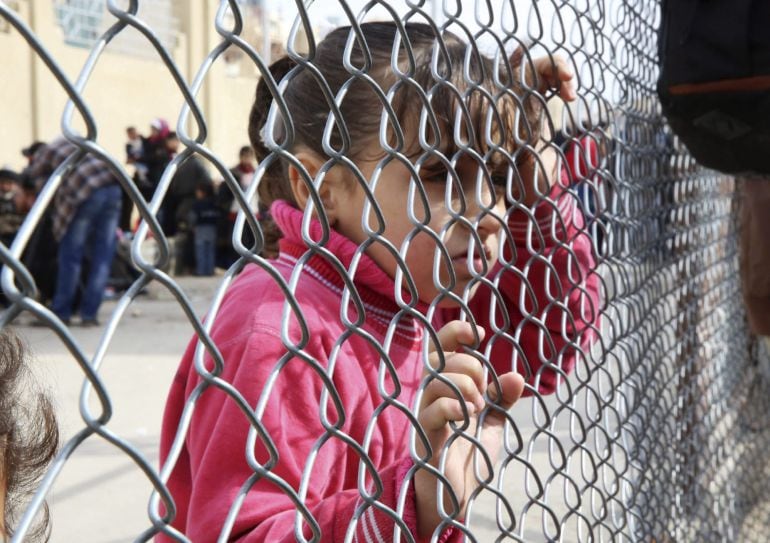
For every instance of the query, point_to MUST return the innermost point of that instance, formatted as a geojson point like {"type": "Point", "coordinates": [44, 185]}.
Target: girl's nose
{"type": "Point", "coordinates": [491, 220]}
{"type": "Point", "coordinates": [488, 208]}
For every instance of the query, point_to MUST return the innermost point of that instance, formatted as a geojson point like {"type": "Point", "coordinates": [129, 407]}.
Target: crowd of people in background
{"type": "Point", "coordinates": [80, 248]}
{"type": "Point", "coordinates": [92, 220]}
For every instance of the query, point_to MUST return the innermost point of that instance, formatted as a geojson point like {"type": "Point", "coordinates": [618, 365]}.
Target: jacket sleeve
{"type": "Point", "coordinates": [213, 472]}
{"type": "Point", "coordinates": [548, 294]}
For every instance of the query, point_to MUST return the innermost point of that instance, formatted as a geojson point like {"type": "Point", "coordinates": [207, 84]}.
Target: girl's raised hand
{"type": "Point", "coordinates": [538, 168]}
{"type": "Point", "coordinates": [439, 405]}
{"type": "Point", "coordinates": [553, 72]}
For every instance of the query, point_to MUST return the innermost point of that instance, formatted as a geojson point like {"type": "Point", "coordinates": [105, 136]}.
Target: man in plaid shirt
{"type": "Point", "coordinates": [85, 217]}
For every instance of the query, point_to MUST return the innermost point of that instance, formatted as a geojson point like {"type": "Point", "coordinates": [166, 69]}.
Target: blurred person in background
{"type": "Point", "coordinates": [154, 158]}
{"type": "Point", "coordinates": [14, 205]}
{"type": "Point", "coordinates": [11, 205]}
{"type": "Point", "coordinates": [40, 255]}
{"type": "Point", "coordinates": [176, 207]}
{"type": "Point", "coordinates": [134, 147]}
{"type": "Point", "coordinates": [204, 217]}
{"type": "Point", "coordinates": [29, 152]}
{"type": "Point", "coordinates": [243, 172]}
{"type": "Point", "coordinates": [85, 219]}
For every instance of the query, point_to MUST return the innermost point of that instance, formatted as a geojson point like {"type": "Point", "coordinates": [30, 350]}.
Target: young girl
{"type": "Point", "coordinates": [335, 392]}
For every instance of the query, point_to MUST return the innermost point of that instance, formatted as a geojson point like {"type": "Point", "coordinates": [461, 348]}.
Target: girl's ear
{"type": "Point", "coordinates": [327, 191]}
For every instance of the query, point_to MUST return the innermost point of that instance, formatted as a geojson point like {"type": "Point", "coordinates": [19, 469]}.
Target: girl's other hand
{"type": "Point", "coordinates": [439, 405]}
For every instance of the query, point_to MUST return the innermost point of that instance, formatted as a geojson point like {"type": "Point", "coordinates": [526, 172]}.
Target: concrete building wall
{"type": "Point", "coordinates": [124, 89]}
{"type": "Point", "coordinates": [16, 115]}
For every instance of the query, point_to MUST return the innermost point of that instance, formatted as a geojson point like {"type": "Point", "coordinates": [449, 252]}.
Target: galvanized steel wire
{"type": "Point", "coordinates": [659, 432]}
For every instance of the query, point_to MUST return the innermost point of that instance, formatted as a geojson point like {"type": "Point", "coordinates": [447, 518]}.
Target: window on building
{"type": "Point", "coordinates": [81, 20]}
{"type": "Point", "coordinates": [84, 21]}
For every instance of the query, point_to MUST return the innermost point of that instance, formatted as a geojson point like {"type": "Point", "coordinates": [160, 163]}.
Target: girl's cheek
{"type": "Point", "coordinates": [500, 204]}
{"type": "Point", "coordinates": [550, 163]}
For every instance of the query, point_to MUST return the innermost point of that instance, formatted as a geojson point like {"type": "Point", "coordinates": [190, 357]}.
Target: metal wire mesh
{"type": "Point", "coordinates": [658, 432]}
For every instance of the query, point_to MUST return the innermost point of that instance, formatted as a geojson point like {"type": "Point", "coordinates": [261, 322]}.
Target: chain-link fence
{"type": "Point", "coordinates": [439, 168]}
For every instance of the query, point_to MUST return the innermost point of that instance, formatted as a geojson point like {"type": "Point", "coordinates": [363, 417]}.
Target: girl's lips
{"type": "Point", "coordinates": [464, 255]}
{"type": "Point", "coordinates": [461, 260]}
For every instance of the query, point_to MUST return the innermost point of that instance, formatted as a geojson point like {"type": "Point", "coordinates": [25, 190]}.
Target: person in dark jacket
{"type": "Point", "coordinates": [204, 217]}
{"type": "Point", "coordinates": [243, 173]}
{"type": "Point", "coordinates": [154, 158]}
{"type": "Point", "coordinates": [175, 210]}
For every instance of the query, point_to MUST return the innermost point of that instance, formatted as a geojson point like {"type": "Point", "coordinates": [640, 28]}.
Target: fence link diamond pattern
{"type": "Point", "coordinates": [599, 259]}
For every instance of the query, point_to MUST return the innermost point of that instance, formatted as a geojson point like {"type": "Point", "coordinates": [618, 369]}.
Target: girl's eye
{"type": "Point", "coordinates": [499, 180]}
{"type": "Point", "coordinates": [434, 176]}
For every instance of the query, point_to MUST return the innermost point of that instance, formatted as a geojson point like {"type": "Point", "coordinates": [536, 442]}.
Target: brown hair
{"type": "Point", "coordinates": [29, 436]}
{"type": "Point", "coordinates": [361, 108]}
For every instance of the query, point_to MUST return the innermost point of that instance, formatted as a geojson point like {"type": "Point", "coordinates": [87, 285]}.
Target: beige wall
{"type": "Point", "coordinates": [123, 89]}
{"type": "Point", "coordinates": [16, 120]}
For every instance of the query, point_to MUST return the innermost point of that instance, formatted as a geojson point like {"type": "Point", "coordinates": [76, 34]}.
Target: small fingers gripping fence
{"type": "Point", "coordinates": [493, 299]}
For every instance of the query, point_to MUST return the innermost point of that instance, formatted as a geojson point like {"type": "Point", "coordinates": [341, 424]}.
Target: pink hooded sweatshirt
{"type": "Point", "coordinates": [215, 466]}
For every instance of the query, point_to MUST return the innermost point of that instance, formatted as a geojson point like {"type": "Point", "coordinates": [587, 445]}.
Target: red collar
{"type": "Point", "coordinates": [328, 260]}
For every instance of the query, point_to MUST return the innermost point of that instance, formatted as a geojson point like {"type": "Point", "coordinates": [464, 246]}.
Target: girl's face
{"type": "Point", "coordinates": [484, 212]}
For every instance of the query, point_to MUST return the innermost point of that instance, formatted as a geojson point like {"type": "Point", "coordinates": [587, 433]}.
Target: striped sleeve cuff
{"type": "Point", "coordinates": [377, 526]}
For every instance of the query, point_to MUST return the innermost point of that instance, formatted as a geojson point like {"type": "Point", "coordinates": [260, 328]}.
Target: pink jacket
{"type": "Point", "coordinates": [216, 463]}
